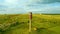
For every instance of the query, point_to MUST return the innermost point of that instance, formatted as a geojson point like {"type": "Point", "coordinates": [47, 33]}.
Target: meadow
{"type": "Point", "coordinates": [19, 24]}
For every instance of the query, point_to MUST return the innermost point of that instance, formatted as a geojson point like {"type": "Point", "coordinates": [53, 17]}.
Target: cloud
{"type": "Point", "coordinates": [36, 6]}
{"type": "Point", "coordinates": [45, 1]}
{"type": "Point", "coordinates": [45, 8]}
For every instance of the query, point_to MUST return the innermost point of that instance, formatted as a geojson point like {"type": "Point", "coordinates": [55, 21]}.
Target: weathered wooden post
{"type": "Point", "coordinates": [30, 21]}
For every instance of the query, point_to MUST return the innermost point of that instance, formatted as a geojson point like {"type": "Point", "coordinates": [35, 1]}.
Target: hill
{"type": "Point", "coordinates": [19, 24]}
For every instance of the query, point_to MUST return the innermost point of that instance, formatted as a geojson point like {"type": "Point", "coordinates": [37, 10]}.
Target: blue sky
{"type": "Point", "coordinates": [35, 6]}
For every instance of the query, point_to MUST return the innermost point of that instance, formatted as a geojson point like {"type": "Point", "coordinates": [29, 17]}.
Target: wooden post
{"type": "Point", "coordinates": [30, 21]}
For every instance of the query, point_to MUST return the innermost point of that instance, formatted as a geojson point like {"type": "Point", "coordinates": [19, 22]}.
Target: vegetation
{"type": "Point", "coordinates": [19, 24]}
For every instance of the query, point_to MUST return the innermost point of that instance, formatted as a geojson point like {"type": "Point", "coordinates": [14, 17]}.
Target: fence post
{"type": "Point", "coordinates": [30, 21]}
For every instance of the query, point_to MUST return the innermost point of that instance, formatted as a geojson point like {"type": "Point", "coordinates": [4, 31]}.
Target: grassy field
{"type": "Point", "coordinates": [19, 24]}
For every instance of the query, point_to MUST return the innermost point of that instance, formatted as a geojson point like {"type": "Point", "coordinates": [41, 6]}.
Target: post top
{"type": "Point", "coordinates": [30, 12]}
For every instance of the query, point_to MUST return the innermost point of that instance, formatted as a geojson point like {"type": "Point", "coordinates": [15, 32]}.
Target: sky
{"type": "Point", "coordinates": [24, 6]}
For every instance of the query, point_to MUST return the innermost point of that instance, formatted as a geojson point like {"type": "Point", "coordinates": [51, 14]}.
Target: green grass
{"type": "Point", "coordinates": [18, 24]}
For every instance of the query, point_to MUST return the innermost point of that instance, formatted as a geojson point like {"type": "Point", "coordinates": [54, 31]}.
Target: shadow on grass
{"type": "Point", "coordinates": [43, 31]}
{"type": "Point", "coordinates": [13, 27]}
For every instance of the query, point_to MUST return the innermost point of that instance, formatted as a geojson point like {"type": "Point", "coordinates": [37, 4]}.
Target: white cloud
{"type": "Point", "coordinates": [35, 6]}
